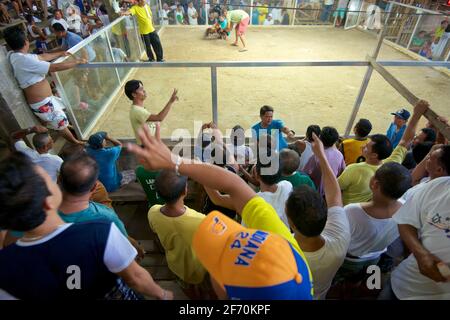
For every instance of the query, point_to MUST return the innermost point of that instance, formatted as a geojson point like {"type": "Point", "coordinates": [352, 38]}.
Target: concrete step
{"type": "Point", "coordinates": [154, 259]}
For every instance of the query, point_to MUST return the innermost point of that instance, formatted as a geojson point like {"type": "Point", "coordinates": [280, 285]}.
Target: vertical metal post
{"type": "Point", "coordinates": [138, 35]}
{"type": "Point", "coordinates": [214, 94]}
{"type": "Point", "coordinates": [251, 11]}
{"type": "Point", "coordinates": [159, 13]}
{"type": "Point", "coordinates": [367, 76]}
{"type": "Point", "coordinates": [415, 29]}
{"type": "Point", "coordinates": [207, 12]}
{"type": "Point", "coordinates": [295, 12]}
{"type": "Point", "coordinates": [112, 55]}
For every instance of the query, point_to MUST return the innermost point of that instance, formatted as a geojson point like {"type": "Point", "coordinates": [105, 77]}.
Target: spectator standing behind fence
{"type": "Point", "coordinates": [164, 14]}
{"type": "Point", "coordinates": [143, 13]}
{"type": "Point", "coordinates": [73, 20]}
{"type": "Point", "coordinates": [179, 15]}
{"type": "Point", "coordinates": [31, 70]}
{"type": "Point", "coordinates": [341, 9]}
{"type": "Point", "coordinates": [192, 14]}
{"type": "Point", "coordinates": [327, 6]}
{"type": "Point", "coordinates": [276, 13]}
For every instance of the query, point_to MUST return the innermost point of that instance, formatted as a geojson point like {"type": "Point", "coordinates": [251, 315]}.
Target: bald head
{"type": "Point", "coordinates": [42, 142]}
{"type": "Point", "coordinates": [78, 175]}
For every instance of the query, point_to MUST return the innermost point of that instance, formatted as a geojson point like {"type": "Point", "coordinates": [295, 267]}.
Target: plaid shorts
{"type": "Point", "coordinates": [122, 292]}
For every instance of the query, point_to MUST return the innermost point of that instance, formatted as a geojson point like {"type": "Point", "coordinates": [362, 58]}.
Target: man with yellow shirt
{"type": "Point", "coordinates": [139, 115]}
{"type": "Point", "coordinates": [263, 261]}
{"type": "Point", "coordinates": [144, 17]}
{"type": "Point", "coordinates": [352, 148]}
{"type": "Point", "coordinates": [355, 179]}
{"type": "Point", "coordinates": [175, 225]}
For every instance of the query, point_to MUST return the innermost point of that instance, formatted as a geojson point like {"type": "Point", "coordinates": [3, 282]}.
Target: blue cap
{"type": "Point", "coordinates": [96, 140]}
{"type": "Point", "coordinates": [402, 113]}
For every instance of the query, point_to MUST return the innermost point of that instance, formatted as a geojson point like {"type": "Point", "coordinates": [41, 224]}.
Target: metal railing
{"type": "Point", "coordinates": [121, 70]}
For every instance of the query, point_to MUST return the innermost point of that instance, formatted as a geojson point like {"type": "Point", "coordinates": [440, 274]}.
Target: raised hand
{"type": "Point", "coordinates": [421, 107]}
{"type": "Point", "coordinates": [153, 154]}
{"type": "Point", "coordinates": [174, 96]}
{"type": "Point", "coordinates": [317, 145]}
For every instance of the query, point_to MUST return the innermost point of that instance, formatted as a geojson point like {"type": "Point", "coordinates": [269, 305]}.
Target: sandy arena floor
{"type": "Point", "coordinates": [300, 96]}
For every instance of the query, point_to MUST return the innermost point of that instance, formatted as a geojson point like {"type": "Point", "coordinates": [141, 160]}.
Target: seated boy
{"type": "Point", "coordinates": [175, 225]}
{"type": "Point", "coordinates": [289, 162]}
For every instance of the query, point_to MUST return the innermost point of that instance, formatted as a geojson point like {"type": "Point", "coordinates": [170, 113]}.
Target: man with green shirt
{"type": "Point", "coordinates": [134, 89]}
{"type": "Point", "coordinates": [143, 14]}
{"type": "Point", "coordinates": [355, 179]}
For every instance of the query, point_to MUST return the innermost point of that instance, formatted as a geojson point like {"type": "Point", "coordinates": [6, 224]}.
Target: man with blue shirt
{"type": "Point", "coordinates": [397, 128]}
{"type": "Point", "coordinates": [70, 40]}
{"type": "Point", "coordinates": [106, 158]}
{"type": "Point", "coordinates": [271, 127]}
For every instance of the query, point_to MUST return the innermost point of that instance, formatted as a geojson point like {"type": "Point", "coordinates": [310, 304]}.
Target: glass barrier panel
{"type": "Point", "coordinates": [125, 44]}
{"type": "Point", "coordinates": [88, 91]}
{"type": "Point", "coordinates": [194, 104]}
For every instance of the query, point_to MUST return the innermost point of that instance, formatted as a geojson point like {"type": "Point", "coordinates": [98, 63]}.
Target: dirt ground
{"type": "Point", "coordinates": [301, 96]}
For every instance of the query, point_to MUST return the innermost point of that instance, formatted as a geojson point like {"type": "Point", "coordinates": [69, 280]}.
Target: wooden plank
{"type": "Point", "coordinates": [410, 97]}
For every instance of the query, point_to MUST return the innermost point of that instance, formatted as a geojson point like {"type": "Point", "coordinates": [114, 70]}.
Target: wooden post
{"type": "Point", "coordinates": [410, 97]}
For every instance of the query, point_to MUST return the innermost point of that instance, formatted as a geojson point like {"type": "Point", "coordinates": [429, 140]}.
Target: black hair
{"type": "Point", "coordinates": [430, 134]}
{"type": "Point", "coordinates": [309, 131]}
{"type": "Point", "coordinates": [394, 179]}
{"type": "Point", "coordinates": [40, 140]}
{"type": "Point", "coordinates": [382, 146]}
{"type": "Point", "coordinates": [307, 210]}
{"type": "Point", "coordinates": [22, 194]}
{"type": "Point", "coordinates": [29, 18]}
{"type": "Point", "coordinates": [363, 128]}
{"type": "Point", "coordinates": [265, 109]}
{"type": "Point", "coordinates": [329, 136]}
{"type": "Point", "coordinates": [269, 179]}
{"type": "Point", "coordinates": [444, 159]}
{"type": "Point", "coordinates": [15, 38]}
{"type": "Point", "coordinates": [71, 150]}
{"type": "Point", "coordinates": [289, 161]}
{"type": "Point", "coordinates": [58, 27]}
{"type": "Point", "coordinates": [170, 186]}
{"type": "Point", "coordinates": [421, 150]}
{"type": "Point", "coordinates": [238, 135]}
{"type": "Point", "coordinates": [131, 87]}
{"type": "Point", "coordinates": [78, 174]}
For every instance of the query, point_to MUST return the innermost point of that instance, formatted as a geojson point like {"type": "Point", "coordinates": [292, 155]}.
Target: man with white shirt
{"type": "Point", "coordinates": [192, 14]}
{"type": "Point", "coordinates": [424, 222]}
{"type": "Point", "coordinates": [43, 143]}
{"type": "Point", "coordinates": [304, 146]}
{"type": "Point", "coordinates": [372, 228]}
{"type": "Point", "coordinates": [322, 233]}
{"type": "Point", "coordinates": [431, 167]}
{"type": "Point", "coordinates": [274, 192]}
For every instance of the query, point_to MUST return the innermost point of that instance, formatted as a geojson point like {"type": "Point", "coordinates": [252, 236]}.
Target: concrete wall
{"type": "Point", "coordinates": [14, 110]}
